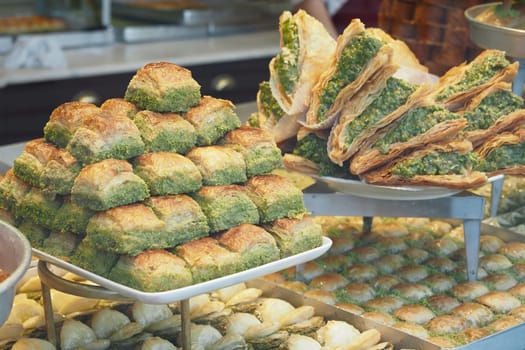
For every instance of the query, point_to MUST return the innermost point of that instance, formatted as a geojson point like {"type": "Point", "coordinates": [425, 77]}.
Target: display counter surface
{"type": "Point", "coordinates": [121, 57]}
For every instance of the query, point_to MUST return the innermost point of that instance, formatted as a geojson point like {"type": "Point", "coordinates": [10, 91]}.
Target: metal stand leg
{"type": "Point", "coordinates": [495, 195]}
{"type": "Point", "coordinates": [48, 313]}
{"type": "Point", "coordinates": [519, 81]}
{"type": "Point", "coordinates": [367, 224]}
{"type": "Point", "coordinates": [186, 324]}
{"type": "Point", "coordinates": [471, 230]}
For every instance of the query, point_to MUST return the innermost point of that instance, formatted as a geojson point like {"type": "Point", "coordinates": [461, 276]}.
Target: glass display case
{"type": "Point", "coordinates": [71, 23]}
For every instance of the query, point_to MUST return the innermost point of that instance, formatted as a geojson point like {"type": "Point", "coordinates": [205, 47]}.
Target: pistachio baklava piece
{"type": "Point", "coordinates": [276, 197]}
{"type": "Point", "coordinates": [212, 118]}
{"type": "Point", "coordinates": [163, 87]}
{"type": "Point", "coordinates": [32, 161]}
{"type": "Point", "coordinates": [153, 270]}
{"type": "Point", "coordinates": [92, 259]}
{"type": "Point", "coordinates": [165, 132]}
{"type": "Point", "coordinates": [128, 229]}
{"type": "Point", "coordinates": [219, 165]}
{"type": "Point", "coordinates": [39, 207]}
{"type": "Point", "coordinates": [60, 173]}
{"type": "Point", "coordinates": [36, 234]}
{"type": "Point", "coordinates": [294, 236]}
{"type": "Point", "coordinates": [119, 107]}
{"type": "Point", "coordinates": [254, 244]}
{"type": "Point", "coordinates": [103, 136]}
{"type": "Point", "coordinates": [258, 148]}
{"type": "Point", "coordinates": [60, 245]}
{"type": "Point", "coordinates": [167, 173]}
{"type": "Point", "coordinates": [208, 260]}
{"type": "Point", "coordinates": [65, 120]}
{"type": "Point", "coordinates": [71, 217]}
{"type": "Point", "coordinates": [183, 217]}
{"type": "Point", "coordinates": [107, 184]}
{"type": "Point", "coordinates": [226, 206]}
{"type": "Point", "coordinates": [12, 191]}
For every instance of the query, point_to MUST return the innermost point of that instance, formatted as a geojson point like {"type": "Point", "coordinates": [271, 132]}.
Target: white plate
{"type": "Point", "coordinates": [362, 189]}
{"type": "Point", "coordinates": [196, 289]}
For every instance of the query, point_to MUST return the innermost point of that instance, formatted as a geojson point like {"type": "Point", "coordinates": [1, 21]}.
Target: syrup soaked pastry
{"type": "Point", "coordinates": [361, 58]}
{"type": "Point", "coordinates": [163, 87]}
{"type": "Point", "coordinates": [451, 165]}
{"type": "Point", "coordinates": [461, 83]}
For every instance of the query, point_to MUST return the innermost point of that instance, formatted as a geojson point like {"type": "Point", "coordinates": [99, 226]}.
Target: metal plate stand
{"type": "Point", "coordinates": [464, 205]}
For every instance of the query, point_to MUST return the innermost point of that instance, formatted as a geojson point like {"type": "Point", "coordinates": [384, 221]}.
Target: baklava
{"type": "Point", "coordinates": [414, 313]}
{"type": "Point", "coordinates": [219, 165]}
{"type": "Point", "coordinates": [294, 236]}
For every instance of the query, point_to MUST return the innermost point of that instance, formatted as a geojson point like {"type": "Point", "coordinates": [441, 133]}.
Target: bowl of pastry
{"type": "Point", "coordinates": [15, 257]}
{"type": "Point", "coordinates": [494, 26]}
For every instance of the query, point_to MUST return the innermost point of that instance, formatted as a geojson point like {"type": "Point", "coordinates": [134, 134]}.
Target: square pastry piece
{"type": "Point", "coordinates": [208, 259]}
{"type": "Point", "coordinates": [294, 236]}
{"type": "Point", "coordinates": [154, 270]}
{"type": "Point", "coordinates": [226, 206]}
{"type": "Point", "coordinates": [165, 132]}
{"type": "Point", "coordinates": [107, 184]}
{"type": "Point", "coordinates": [276, 197]}
{"type": "Point", "coordinates": [254, 244]}
{"type": "Point", "coordinates": [183, 217]}
{"type": "Point", "coordinates": [167, 173]}
{"type": "Point", "coordinates": [65, 120]}
{"type": "Point", "coordinates": [103, 136]}
{"type": "Point", "coordinates": [258, 148]}
{"type": "Point", "coordinates": [31, 163]}
{"type": "Point", "coordinates": [219, 165]}
{"type": "Point", "coordinates": [128, 229]}
{"type": "Point", "coordinates": [163, 87]}
{"type": "Point", "coordinates": [212, 119]}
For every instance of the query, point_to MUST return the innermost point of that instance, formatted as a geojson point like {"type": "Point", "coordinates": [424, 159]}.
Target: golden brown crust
{"type": "Point", "coordinates": [513, 250]}
{"type": "Point", "coordinates": [385, 304]}
{"type": "Point", "coordinates": [414, 313]}
{"type": "Point", "coordinates": [158, 258]}
{"type": "Point", "coordinates": [325, 296]}
{"type": "Point", "coordinates": [244, 237]}
{"type": "Point", "coordinates": [248, 136]}
{"type": "Point", "coordinates": [195, 251]}
{"type": "Point", "coordinates": [300, 164]}
{"type": "Point", "coordinates": [499, 301]}
{"type": "Point", "coordinates": [164, 205]}
{"type": "Point", "coordinates": [161, 75]}
{"type": "Point", "coordinates": [447, 324]}
{"type": "Point", "coordinates": [199, 114]}
{"type": "Point", "coordinates": [477, 315]}
{"type": "Point", "coordinates": [129, 218]}
{"type": "Point", "coordinates": [500, 281]}
{"type": "Point", "coordinates": [160, 162]}
{"type": "Point", "coordinates": [504, 322]}
{"type": "Point", "coordinates": [379, 317]}
{"type": "Point", "coordinates": [119, 107]}
{"type": "Point", "coordinates": [329, 281]}
{"type": "Point", "coordinates": [70, 115]}
{"type": "Point", "coordinates": [443, 302]}
{"type": "Point", "coordinates": [458, 100]}
{"type": "Point", "coordinates": [469, 179]}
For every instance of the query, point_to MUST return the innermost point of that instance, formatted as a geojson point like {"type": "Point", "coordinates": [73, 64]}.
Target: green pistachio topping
{"type": "Point", "coordinates": [448, 163]}
{"type": "Point", "coordinates": [355, 56]}
{"type": "Point", "coordinates": [503, 157]}
{"type": "Point", "coordinates": [269, 103]}
{"type": "Point", "coordinates": [395, 94]}
{"type": "Point", "coordinates": [478, 74]}
{"type": "Point", "coordinates": [286, 62]}
{"type": "Point", "coordinates": [416, 122]}
{"type": "Point", "coordinates": [491, 108]}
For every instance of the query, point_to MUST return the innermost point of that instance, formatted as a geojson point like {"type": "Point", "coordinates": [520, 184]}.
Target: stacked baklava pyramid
{"type": "Point", "coordinates": [158, 190]}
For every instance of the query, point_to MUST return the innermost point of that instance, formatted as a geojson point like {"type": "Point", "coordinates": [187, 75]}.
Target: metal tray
{"type": "Point", "coordinates": [189, 291]}
{"type": "Point", "coordinates": [508, 339]}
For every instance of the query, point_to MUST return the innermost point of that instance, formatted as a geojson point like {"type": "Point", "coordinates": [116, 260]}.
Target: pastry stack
{"type": "Point", "coordinates": [157, 190]}
{"type": "Point", "coordinates": [370, 112]}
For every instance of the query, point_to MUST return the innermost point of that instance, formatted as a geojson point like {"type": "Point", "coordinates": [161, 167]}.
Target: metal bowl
{"type": "Point", "coordinates": [490, 36]}
{"type": "Point", "coordinates": [15, 257]}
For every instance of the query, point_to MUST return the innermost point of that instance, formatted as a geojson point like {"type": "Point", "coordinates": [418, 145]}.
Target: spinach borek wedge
{"type": "Point", "coordinates": [448, 164]}
{"type": "Point", "coordinates": [359, 121]}
{"type": "Point", "coordinates": [493, 111]}
{"type": "Point", "coordinates": [306, 50]}
{"type": "Point", "coordinates": [417, 127]}
{"type": "Point", "coordinates": [503, 153]}
{"type": "Point", "coordinates": [461, 83]}
{"type": "Point", "coordinates": [360, 56]}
